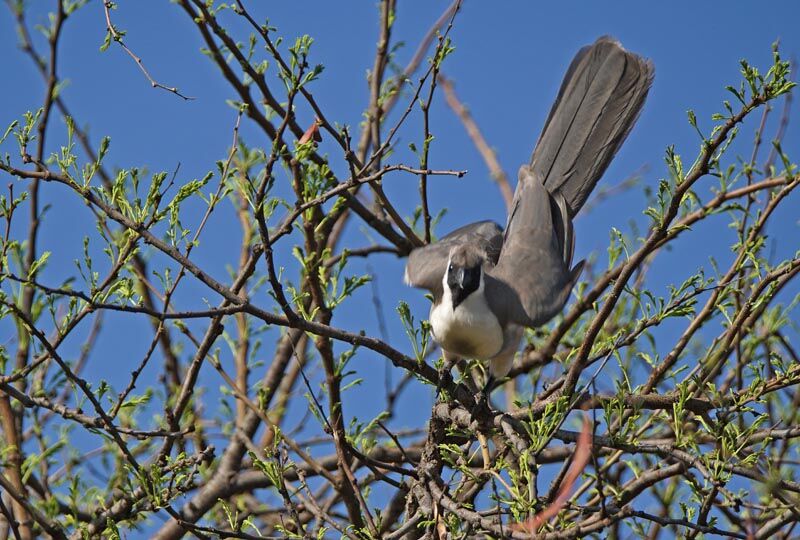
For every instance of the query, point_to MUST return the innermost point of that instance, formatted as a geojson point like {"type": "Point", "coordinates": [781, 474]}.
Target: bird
{"type": "Point", "coordinates": [488, 283]}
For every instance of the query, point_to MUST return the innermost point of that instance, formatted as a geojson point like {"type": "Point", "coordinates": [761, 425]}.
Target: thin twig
{"type": "Point", "coordinates": [116, 36]}
{"type": "Point", "coordinates": [487, 153]}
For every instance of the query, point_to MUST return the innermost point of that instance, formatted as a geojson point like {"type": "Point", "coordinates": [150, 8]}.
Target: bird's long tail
{"type": "Point", "coordinates": [598, 102]}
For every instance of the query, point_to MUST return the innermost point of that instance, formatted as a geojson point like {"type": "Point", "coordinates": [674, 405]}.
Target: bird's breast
{"type": "Point", "coordinates": [471, 330]}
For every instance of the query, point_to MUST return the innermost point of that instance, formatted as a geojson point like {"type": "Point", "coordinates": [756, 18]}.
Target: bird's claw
{"type": "Point", "coordinates": [481, 404]}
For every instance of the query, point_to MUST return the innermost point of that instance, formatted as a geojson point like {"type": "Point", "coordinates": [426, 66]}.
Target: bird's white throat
{"type": "Point", "coordinates": [470, 330]}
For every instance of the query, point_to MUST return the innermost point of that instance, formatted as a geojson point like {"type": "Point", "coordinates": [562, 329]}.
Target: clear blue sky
{"type": "Point", "coordinates": [509, 60]}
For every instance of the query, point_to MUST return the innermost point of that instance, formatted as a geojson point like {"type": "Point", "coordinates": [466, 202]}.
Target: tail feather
{"type": "Point", "coordinates": [599, 101]}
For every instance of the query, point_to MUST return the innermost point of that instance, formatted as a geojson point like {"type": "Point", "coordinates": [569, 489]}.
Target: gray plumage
{"type": "Point", "coordinates": [598, 103]}
{"type": "Point", "coordinates": [532, 278]}
{"type": "Point", "coordinates": [427, 265]}
{"type": "Point", "coordinates": [527, 274]}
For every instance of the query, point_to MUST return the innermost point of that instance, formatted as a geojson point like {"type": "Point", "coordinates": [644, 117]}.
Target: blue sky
{"type": "Point", "coordinates": [509, 60]}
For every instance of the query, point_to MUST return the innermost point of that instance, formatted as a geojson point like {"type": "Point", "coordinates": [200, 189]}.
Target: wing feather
{"type": "Point", "coordinates": [426, 266]}
{"type": "Point", "coordinates": [528, 279]}
{"type": "Point", "coordinates": [597, 104]}
{"type": "Point", "coordinates": [532, 280]}
{"type": "Point", "coordinates": [599, 101]}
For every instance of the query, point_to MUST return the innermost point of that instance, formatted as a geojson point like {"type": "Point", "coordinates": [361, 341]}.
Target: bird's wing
{"type": "Point", "coordinates": [598, 103]}
{"type": "Point", "coordinates": [532, 279]}
{"type": "Point", "coordinates": [426, 266]}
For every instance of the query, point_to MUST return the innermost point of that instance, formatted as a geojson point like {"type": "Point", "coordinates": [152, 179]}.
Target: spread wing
{"type": "Point", "coordinates": [426, 266]}
{"type": "Point", "coordinates": [532, 279]}
{"type": "Point", "coordinates": [598, 103]}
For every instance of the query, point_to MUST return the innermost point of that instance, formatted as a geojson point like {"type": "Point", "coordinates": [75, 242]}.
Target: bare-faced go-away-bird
{"type": "Point", "coordinates": [488, 285]}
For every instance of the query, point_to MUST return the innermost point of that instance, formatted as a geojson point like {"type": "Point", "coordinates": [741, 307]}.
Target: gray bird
{"type": "Point", "coordinates": [488, 285]}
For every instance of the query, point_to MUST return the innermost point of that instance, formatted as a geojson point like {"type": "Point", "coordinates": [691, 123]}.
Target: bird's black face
{"type": "Point", "coordinates": [462, 282]}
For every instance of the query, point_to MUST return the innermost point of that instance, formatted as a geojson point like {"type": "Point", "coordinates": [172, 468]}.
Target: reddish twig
{"type": "Point", "coordinates": [580, 458]}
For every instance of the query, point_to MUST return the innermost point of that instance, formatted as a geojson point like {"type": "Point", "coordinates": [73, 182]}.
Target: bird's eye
{"type": "Point", "coordinates": [450, 268]}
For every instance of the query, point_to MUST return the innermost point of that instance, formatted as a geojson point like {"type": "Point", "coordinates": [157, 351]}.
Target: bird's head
{"type": "Point", "coordinates": [464, 272]}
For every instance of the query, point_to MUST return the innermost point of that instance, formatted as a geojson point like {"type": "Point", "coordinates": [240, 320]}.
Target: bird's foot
{"type": "Point", "coordinates": [481, 406]}
{"type": "Point", "coordinates": [489, 386]}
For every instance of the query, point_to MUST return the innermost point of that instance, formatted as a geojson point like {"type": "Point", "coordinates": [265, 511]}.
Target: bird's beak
{"type": "Point", "coordinates": [455, 280]}
{"type": "Point", "coordinates": [463, 282]}
{"type": "Point", "coordinates": [460, 277]}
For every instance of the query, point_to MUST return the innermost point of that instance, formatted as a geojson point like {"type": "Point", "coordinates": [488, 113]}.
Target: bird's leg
{"type": "Point", "coordinates": [487, 388]}
{"type": "Point", "coordinates": [482, 397]}
{"type": "Point", "coordinates": [482, 404]}
{"type": "Point", "coordinates": [467, 374]}
{"type": "Point", "coordinates": [449, 360]}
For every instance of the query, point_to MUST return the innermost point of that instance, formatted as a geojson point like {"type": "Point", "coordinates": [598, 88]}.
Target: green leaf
{"type": "Point", "coordinates": [38, 264]}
